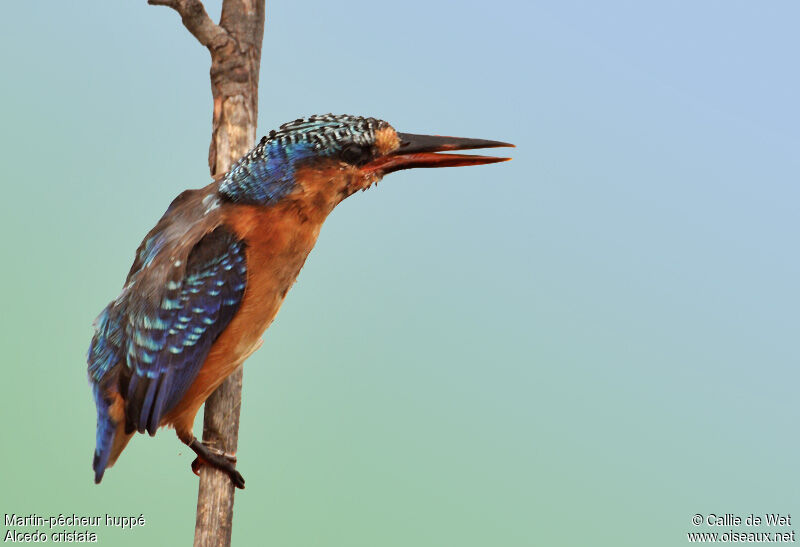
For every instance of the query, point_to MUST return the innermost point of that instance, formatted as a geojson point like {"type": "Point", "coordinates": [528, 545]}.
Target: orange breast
{"type": "Point", "coordinates": [278, 239]}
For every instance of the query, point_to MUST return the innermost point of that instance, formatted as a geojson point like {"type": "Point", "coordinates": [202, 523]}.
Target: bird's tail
{"type": "Point", "coordinates": [111, 436]}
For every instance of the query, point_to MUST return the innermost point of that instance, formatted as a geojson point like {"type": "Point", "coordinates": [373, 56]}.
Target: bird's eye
{"type": "Point", "coordinates": [355, 154]}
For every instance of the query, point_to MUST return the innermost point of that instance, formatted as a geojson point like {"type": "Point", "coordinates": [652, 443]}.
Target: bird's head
{"type": "Point", "coordinates": [337, 155]}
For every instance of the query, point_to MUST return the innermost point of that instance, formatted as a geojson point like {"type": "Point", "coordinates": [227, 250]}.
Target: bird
{"type": "Point", "coordinates": [210, 277]}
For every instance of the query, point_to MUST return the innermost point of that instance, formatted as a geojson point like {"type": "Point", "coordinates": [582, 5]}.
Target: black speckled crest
{"type": "Point", "coordinates": [327, 132]}
{"type": "Point", "coordinates": [267, 173]}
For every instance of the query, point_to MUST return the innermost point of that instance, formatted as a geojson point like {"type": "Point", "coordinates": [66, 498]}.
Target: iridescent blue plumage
{"type": "Point", "coordinates": [210, 277]}
{"type": "Point", "coordinates": [267, 173]}
{"type": "Point", "coordinates": [104, 350]}
{"type": "Point", "coordinates": [151, 341]}
{"type": "Point", "coordinates": [188, 279]}
{"type": "Point", "coordinates": [167, 345]}
{"type": "Point", "coordinates": [104, 353]}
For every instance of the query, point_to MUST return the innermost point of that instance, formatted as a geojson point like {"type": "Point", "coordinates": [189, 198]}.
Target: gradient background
{"type": "Point", "coordinates": [585, 346]}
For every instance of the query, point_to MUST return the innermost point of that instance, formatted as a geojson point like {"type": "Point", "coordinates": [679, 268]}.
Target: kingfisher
{"type": "Point", "coordinates": [209, 278]}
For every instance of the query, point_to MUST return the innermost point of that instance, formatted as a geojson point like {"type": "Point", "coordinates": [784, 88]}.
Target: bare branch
{"type": "Point", "coordinates": [196, 20]}
{"type": "Point", "coordinates": [235, 45]}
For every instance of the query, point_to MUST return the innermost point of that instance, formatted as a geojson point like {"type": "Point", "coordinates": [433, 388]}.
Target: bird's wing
{"type": "Point", "coordinates": [107, 348]}
{"type": "Point", "coordinates": [184, 288]}
{"type": "Point", "coordinates": [167, 345]}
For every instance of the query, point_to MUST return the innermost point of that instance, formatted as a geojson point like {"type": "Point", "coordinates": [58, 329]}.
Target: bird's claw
{"type": "Point", "coordinates": [236, 478]}
{"type": "Point", "coordinates": [217, 458]}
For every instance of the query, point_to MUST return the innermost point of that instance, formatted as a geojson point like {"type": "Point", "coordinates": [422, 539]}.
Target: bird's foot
{"type": "Point", "coordinates": [208, 455]}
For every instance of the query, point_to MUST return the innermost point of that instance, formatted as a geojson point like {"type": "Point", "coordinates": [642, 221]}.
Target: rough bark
{"type": "Point", "coordinates": [235, 47]}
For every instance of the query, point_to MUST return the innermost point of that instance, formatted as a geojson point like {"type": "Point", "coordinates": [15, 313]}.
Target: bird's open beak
{"type": "Point", "coordinates": [421, 151]}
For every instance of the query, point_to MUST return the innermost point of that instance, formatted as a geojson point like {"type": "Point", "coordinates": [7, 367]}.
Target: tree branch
{"type": "Point", "coordinates": [196, 20]}
{"type": "Point", "coordinates": [235, 46]}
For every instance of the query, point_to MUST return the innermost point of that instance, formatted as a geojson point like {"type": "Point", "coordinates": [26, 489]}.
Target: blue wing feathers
{"type": "Point", "coordinates": [104, 354]}
{"type": "Point", "coordinates": [167, 345]}
{"type": "Point", "coordinates": [188, 279]}
{"type": "Point", "coordinates": [151, 342]}
{"type": "Point", "coordinates": [105, 434]}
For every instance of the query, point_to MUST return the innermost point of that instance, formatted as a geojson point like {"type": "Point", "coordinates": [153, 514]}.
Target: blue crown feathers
{"type": "Point", "coordinates": [267, 173]}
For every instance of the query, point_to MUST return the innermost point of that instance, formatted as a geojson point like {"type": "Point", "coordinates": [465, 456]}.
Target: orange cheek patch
{"type": "Point", "coordinates": [386, 140]}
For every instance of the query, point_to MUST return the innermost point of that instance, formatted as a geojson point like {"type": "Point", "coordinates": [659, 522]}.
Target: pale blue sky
{"type": "Point", "coordinates": [584, 346]}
